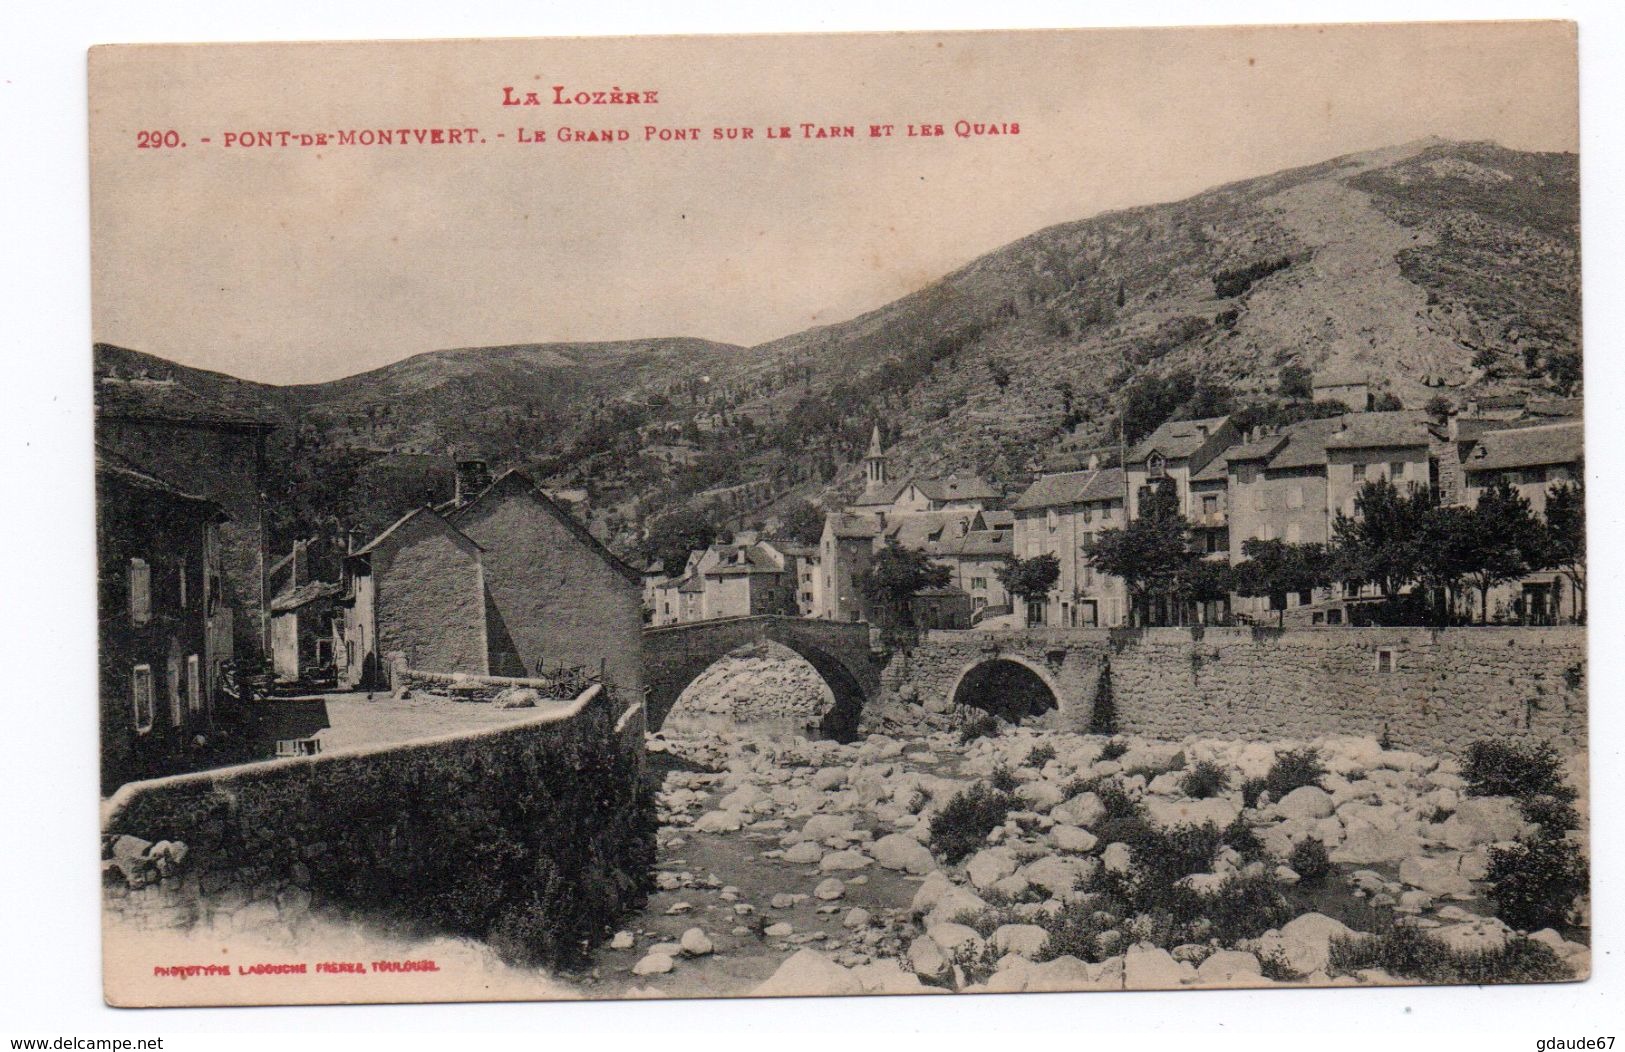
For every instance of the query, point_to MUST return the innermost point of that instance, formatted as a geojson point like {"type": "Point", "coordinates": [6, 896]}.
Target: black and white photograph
{"type": "Point", "coordinates": [930, 513]}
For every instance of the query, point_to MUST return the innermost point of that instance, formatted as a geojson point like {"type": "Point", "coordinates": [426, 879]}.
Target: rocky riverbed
{"type": "Point", "coordinates": [790, 866]}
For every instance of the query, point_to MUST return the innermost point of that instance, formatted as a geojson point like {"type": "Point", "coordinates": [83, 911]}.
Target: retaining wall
{"type": "Point", "coordinates": [1436, 689]}
{"type": "Point", "coordinates": [533, 836]}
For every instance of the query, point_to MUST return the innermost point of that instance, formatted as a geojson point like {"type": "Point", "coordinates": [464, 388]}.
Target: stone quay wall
{"type": "Point", "coordinates": [399, 828]}
{"type": "Point", "coordinates": [1427, 689]}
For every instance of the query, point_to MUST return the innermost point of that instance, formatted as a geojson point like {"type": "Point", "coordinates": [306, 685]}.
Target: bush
{"type": "Point", "coordinates": [1534, 881]}
{"type": "Point", "coordinates": [1003, 779]}
{"type": "Point", "coordinates": [1114, 750]}
{"type": "Point", "coordinates": [962, 826]}
{"type": "Point", "coordinates": [1273, 965]}
{"type": "Point", "coordinates": [1406, 951]}
{"type": "Point", "coordinates": [1251, 790]}
{"type": "Point", "coordinates": [1204, 780]}
{"type": "Point", "coordinates": [1506, 767]}
{"type": "Point", "coordinates": [1240, 836]}
{"type": "Point", "coordinates": [1309, 860]}
{"type": "Point", "coordinates": [1294, 769]}
{"type": "Point", "coordinates": [985, 726]}
{"type": "Point", "coordinates": [1040, 755]}
{"type": "Point", "coordinates": [1554, 814]}
{"type": "Point", "coordinates": [1241, 908]}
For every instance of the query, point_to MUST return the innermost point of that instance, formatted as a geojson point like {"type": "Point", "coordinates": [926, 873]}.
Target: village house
{"type": "Point", "coordinates": [164, 628]}
{"type": "Point", "coordinates": [1531, 460]}
{"type": "Point", "coordinates": [415, 594]}
{"type": "Point", "coordinates": [975, 559]}
{"type": "Point", "coordinates": [1062, 514]}
{"type": "Point", "coordinates": [1171, 454]}
{"type": "Point", "coordinates": [220, 453]}
{"type": "Point", "coordinates": [845, 551]}
{"type": "Point", "coordinates": [553, 596]}
{"type": "Point", "coordinates": [1350, 386]}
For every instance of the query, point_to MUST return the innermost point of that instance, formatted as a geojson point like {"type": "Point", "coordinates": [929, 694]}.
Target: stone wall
{"type": "Point", "coordinates": [448, 833]}
{"type": "Point", "coordinates": [429, 598]}
{"type": "Point", "coordinates": [1434, 690]}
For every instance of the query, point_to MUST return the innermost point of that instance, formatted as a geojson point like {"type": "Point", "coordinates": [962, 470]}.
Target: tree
{"type": "Point", "coordinates": [1382, 543]}
{"type": "Point", "coordinates": [1565, 540]}
{"type": "Point", "coordinates": [1440, 407]}
{"type": "Point", "coordinates": [1506, 541]}
{"type": "Point", "coordinates": [1031, 579]}
{"type": "Point", "coordinates": [1205, 581]}
{"type": "Point", "coordinates": [999, 372]}
{"type": "Point", "coordinates": [673, 536]}
{"type": "Point", "coordinates": [891, 579]}
{"type": "Point", "coordinates": [1276, 569]}
{"type": "Point", "coordinates": [1150, 554]}
{"type": "Point", "coordinates": [1297, 383]}
{"type": "Point", "coordinates": [1387, 402]}
{"type": "Point", "coordinates": [1448, 547]}
{"type": "Point", "coordinates": [803, 523]}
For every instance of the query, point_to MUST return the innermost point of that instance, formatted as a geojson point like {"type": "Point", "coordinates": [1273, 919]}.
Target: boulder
{"type": "Point", "coordinates": [989, 866]}
{"type": "Point", "coordinates": [928, 959]}
{"type": "Point", "coordinates": [857, 918]}
{"type": "Point", "coordinates": [1058, 875]}
{"type": "Point", "coordinates": [808, 972]}
{"type": "Point", "coordinates": [1228, 966]}
{"type": "Point", "coordinates": [806, 852]}
{"type": "Point", "coordinates": [829, 778]}
{"type": "Point", "coordinates": [654, 964]}
{"type": "Point", "coordinates": [1435, 876]}
{"type": "Point", "coordinates": [1308, 801]}
{"type": "Point", "coordinates": [696, 943]}
{"type": "Point", "coordinates": [1012, 887]}
{"type": "Point", "coordinates": [719, 822]}
{"type": "Point", "coordinates": [843, 861]}
{"type": "Point", "coordinates": [1040, 795]}
{"type": "Point", "coordinates": [830, 889]}
{"type": "Point", "coordinates": [1085, 809]}
{"type": "Point", "coordinates": [1477, 935]}
{"type": "Point", "coordinates": [1148, 967]}
{"type": "Point", "coordinates": [1027, 940]}
{"type": "Point", "coordinates": [1173, 813]}
{"type": "Point", "coordinates": [952, 937]}
{"type": "Point", "coordinates": [1306, 941]}
{"type": "Point", "coordinates": [779, 929]}
{"type": "Point", "coordinates": [623, 940]}
{"type": "Point", "coordinates": [954, 904]}
{"type": "Point", "coordinates": [898, 851]}
{"type": "Point", "coordinates": [820, 826]}
{"type": "Point", "coordinates": [1117, 858]}
{"type": "Point", "coordinates": [930, 892]}
{"type": "Point", "coordinates": [1482, 820]}
{"type": "Point", "coordinates": [1072, 838]}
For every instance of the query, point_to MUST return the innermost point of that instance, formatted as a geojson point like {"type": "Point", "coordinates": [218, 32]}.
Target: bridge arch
{"type": "Point", "coordinates": [676, 655]}
{"type": "Point", "coordinates": [1007, 685]}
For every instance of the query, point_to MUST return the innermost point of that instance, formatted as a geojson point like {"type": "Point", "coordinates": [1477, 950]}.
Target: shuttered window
{"type": "Point", "coordinates": [141, 696]}
{"type": "Point", "coordinates": [194, 688]}
{"type": "Point", "coordinates": [140, 592]}
{"type": "Point", "coordinates": [173, 687]}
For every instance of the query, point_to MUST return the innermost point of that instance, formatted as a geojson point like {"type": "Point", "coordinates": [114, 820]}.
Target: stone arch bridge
{"type": "Point", "coordinates": [675, 655]}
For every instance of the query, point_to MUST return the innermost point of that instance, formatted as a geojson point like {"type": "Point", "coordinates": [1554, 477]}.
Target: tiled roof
{"type": "Point", "coordinates": [853, 525]}
{"type": "Point", "coordinates": [1560, 407]}
{"type": "Point", "coordinates": [691, 584]}
{"type": "Point", "coordinates": [408, 517]}
{"type": "Point", "coordinates": [981, 542]}
{"type": "Point", "coordinates": [306, 593]}
{"type": "Point", "coordinates": [1178, 439]}
{"type": "Point", "coordinates": [1260, 449]}
{"type": "Point", "coordinates": [1071, 487]}
{"type": "Point", "coordinates": [1396, 430]}
{"type": "Point", "coordinates": [996, 519]}
{"type": "Point", "coordinates": [1217, 470]}
{"type": "Point", "coordinates": [1306, 444]}
{"type": "Point", "coordinates": [1527, 447]}
{"type": "Point", "coordinates": [884, 495]}
{"type": "Point", "coordinates": [945, 591]}
{"type": "Point", "coordinates": [927, 527]}
{"type": "Point", "coordinates": [117, 466]}
{"type": "Point", "coordinates": [144, 399]}
{"type": "Point", "coordinates": [952, 488]}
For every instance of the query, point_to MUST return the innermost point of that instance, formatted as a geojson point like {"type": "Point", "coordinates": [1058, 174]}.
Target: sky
{"type": "Point", "coordinates": [303, 264]}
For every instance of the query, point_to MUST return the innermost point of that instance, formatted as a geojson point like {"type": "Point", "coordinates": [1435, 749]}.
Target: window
{"type": "Point", "coordinates": [1359, 473]}
{"type": "Point", "coordinates": [1534, 476]}
{"type": "Point", "coordinates": [1387, 660]}
{"type": "Point", "coordinates": [194, 688]}
{"type": "Point", "coordinates": [172, 686]}
{"type": "Point", "coordinates": [1051, 519]}
{"type": "Point", "coordinates": [180, 582]}
{"type": "Point", "coordinates": [1396, 471]}
{"type": "Point", "coordinates": [141, 695]}
{"type": "Point", "coordinates": [1088, 513]}
{"type": "Point", "coordinates": [1210, 505]}
{"type": "Point", "coordinates": [1156, 466]}
{"type": "Point", "coordinates": [1294, 497]}
{"type": "Point", "coordinates": [1035, 611]}
{"type": "Point", "coordinates": [978, 582]}
{"type": "Point", "coordinates": [1306, 596]}
{"type": "Point", "coordinates": [140, 592]}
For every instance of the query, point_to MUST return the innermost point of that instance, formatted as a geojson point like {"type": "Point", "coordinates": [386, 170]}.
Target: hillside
{"type": "Point", "coordinates": [1429, 264]}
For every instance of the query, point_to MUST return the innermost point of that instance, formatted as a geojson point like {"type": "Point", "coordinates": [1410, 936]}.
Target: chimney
{"type": "Point", "coordinates": [1094, 461]}
{"type": "Point", "coordinates": [1453, 425]}
{"type": "Point", "coordinates": [472, 478]}
{"type": "Point", "coordinates": [299, 564]}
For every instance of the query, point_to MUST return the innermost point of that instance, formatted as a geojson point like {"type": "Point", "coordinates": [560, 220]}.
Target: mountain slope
{"type": "Point", "coordinates": [1419, 265]}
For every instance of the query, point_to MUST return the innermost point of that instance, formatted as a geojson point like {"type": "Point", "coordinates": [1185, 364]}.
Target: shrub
{"type": "Point", "coordinates": [984, 726]}
{"type": "Point", "coordinates": [1554, 814]}
{"type": "Point", "coordinates": [1040, 755]}
{"type": "Point", "coordinates": [1204, 780]}
{"type": "Point", "coordinates": [1294, 769]}
{"type": "Point", "coordinates": [1074, 931]}
{"type": "Point", "coordinates": [1273, 965]}
{"type": "Point", "coordinates": [1535, 880]}
{"type": "Point", "coordinates": [1406, 951]}
{"type": "Point", "coordinates": [1241, 908]}
{"type": "Point", "coordinates": [1240, 836]}
{"type": "Point", "coordinates": [1251, 790]}
{"type": "Point", "coordinates": [1114, 750]}
{"type": "Point", "coordinates": [962, 826]}
{"type": "Point", "coordinates": [1003, 779]}
{"type": "Point", "coordinates": [1505, 767]}
{"type": "Point", "coordinates": [1309, 860]}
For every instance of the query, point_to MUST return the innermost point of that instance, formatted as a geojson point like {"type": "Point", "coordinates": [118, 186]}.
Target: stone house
{"type": "Point", "coordinates": [163, 626]}
{"type": "Point", "coordinates": [302, 616]}
{"type": "Point", "coordinates": [844, 552]}
{"type": "Point", "coordinates": [1365, 446]}
{"type": "Point", "coordinates": [975, 559]}
{"type": "Point", "coordinates": [1172, 454]}
{"type": "Point", "coordinates": [945, 607]}
{"type": "Point", "coordinates": [1351, 386]}
{"type": "Point", "coordinates": [1531, 460]}
{"type": "Point", "coordinates": [220, 452]}
{"type": "Point", "coordinates": [415, 593]}
{"type": "Point", "coordinates": [1061, 515]}
{"type": "Point", "coordinates": [553, 595]}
